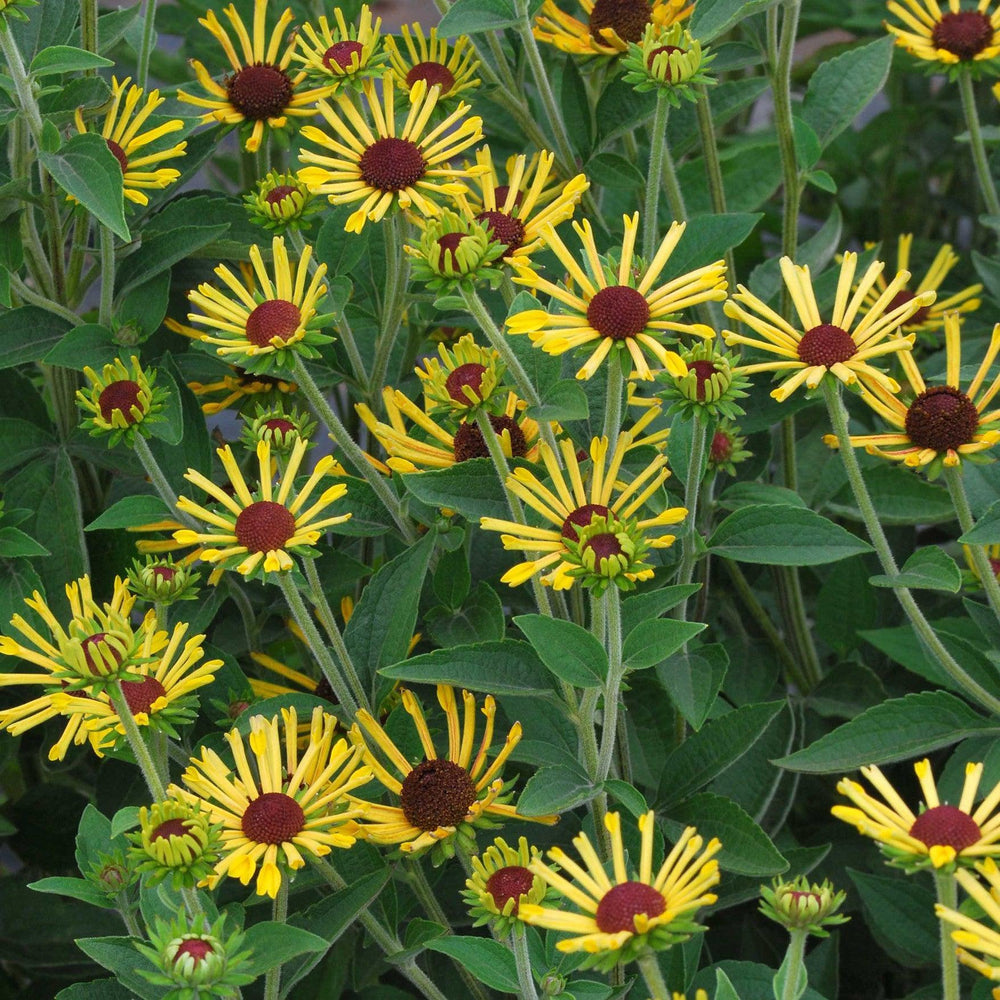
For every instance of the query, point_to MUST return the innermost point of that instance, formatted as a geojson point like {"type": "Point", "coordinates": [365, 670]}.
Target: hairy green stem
{"type": "Point", "coordinates": [947, 895]}
{"type": "Point", "coordinates": [148, 30]}
{"type": "Point", "coordinates": [22, 84]}
{"type": "Point", "coordinates": [163, 488]}
{"type": "Point", "coordinates": [612, 689]}
{"type": "Point", "coordinates": [654, 177]}
{"type": "Point", "coordinates": [987, 574]}
{"type": "Point", "coordinates": [88, 29]}
{"type": "Point", "coordinates": [107, 239]}
{"type": "Point", "coordinates": [692, 490]}
{"type": "Point", "coordinates": [927, 635]}
{"type": "Point", "coordinates": [650, 969]}
{"type": "Point", "coordinates": [397, 276]}
{"type": "Point", "coordinates": [54, 230]}
{"type": "Point", "coordinates": [613, 401]}
{"type": "Point", "coordinates": [279, 914]}
{"type": "Point", "coordinates": [794, 963]}
{"type": "Point", "coordinates": [34, 298]}
{"type": "Point", "coordinates": [127, 912]}
{"type": "Point", "coordinates": [155, 781]}
{"type": "Point", "coordinates": [525, 980]}
{"type": "Point", "coordinates": [987, 186]}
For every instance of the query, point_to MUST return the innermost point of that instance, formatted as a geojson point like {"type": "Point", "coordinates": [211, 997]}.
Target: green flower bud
{"type": "Point", "coordinates": [799, 905]}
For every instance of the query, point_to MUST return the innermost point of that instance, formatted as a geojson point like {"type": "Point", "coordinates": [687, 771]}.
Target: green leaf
{"type": "Point", "coordinates": [471, 17]}
{"type": "Point", "coordinates": [750, 175]}
{"type": "Point", "coordinates": [651, 642]}
{"type": "Point", "coordinates": [75, 888]}
{"type": "Point", "coordinates": [499, 668]}
{"type": "Point", "coordinates": [712, 18]}
{"type": "Point", "coordinates": [569, 651]}
{"type": "Point", "coordinates": [575, 107]}
{"type": "Point", "coordinates": [118, 955]}
{"type": "Point", "coordinates": [899, 496]}
{"type": "Point", "coordinates": [894, 730]}
{"type": "Point", "coordinates": [706, 240]}
{"type": "Point", "coordinates": [28, 334]}
{"type": "Point", "coordinates": [272, 944]}
{"type": "Point", "coordinates": [555, 790]}
{"type": "Point", "coordinates": [724, 989]}
{"type": "Point", "coordinates": [746, 849]}
{"type": "Point", "coordinates": [96, 989]}
{"type": "Point", "coordinates": [628, 795]}
{"type": "Point", "coordinates": [22, 439]}
{"type": "Point", "coordinates": [472, 488]}
{"type": "Point", "coordinates": [131, 512]}
{"type": "Point", "coordinates": [452, 578]}
{"type": "Point", "coordinates": [87, 345]}
{"type": "Point", "coordinates": [612, 170]}
{"type": "Point", "coordinates": [641, 607]}
{"type": "Point", "coordinates": [127, 818]}
{"type": "Point", "coordinates": [900, 912]}
{"type": "Point", "coordinates": [14, 543]}
{"type": "Point", "coordinates": [563, 402]}
{"type": "Point", "coordinates": [479, 619]}
{"type": "Point", "coordinates": [929, 568]}
{"type": "Point", "coordinates": [708, 752]}
{"type": "Point", "coordinates": [807, 148]}
{"type": "Point", "coordinates": [842, 87]}
{"type": "Point", "coordinates": [693, 680]}
{"type": "Point", "coordinates": [339, 250]}
{"type": "Point", "coordinates": [65, 59]}
{"type": "Point", "coordinates": [781, 535]}
{"type": "Point", "coordinates": [822, 180]}
{"type": "Point", "coordinates": [88, 170]}
{"type": "Point", "coordinates": [750, 494]}
{"type": "Point", "coordinates": [986, 530]}
{"type": "Point", "coordinates": [489, 961]}
{"type": "Point", "coordinates": [160, 252]}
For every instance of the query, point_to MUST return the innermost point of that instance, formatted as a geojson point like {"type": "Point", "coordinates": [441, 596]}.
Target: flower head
{"type": "Point", "coordinates": [176, 840]}
{"type": "Point", "coordinates": [264, 327]}
{"type": "Point", "coordinates": [161, 580]}
{"type": "Point", "coordinates": [616, 306]}
{"type": "Point", "coordinates": [426, 58]}
{"type": "Point", "coordinates": [500, 883]}
{"type": "Point", "coordinates": [940, 836]}
{"type": "Point", "coordinates": [462, 378]}
{"type": "Point", "coordinates": [280, 426]}
{"type": "Point", "coordinates": [281, 201]}
{"type": "Point", "coordinates": [625, 912]}
{"type": "Point", "coordinates": [668, 60]}
{"type": "Point", "coordinates": [454, 253]}
{"type": "Point", "coordinates": [803, 905]}
{"type": "Point", "coordinates": [570, 504]}
{"type": "Point", "coordinates": [950, 39]}
{"type": "Point", "coordinates": [608, 551]}
{"type": "Point", "coordinates": [386, 164]}
{"type": "Point", "coordinates": [121, 403]}
{"type": "Point", "coordinates": [122, 131]}
{"type": "Point", "coordinates": [260, 92]}
{"type": "Point", "coordinates": [441, 799]}
{"type": "Point", "coordinates": [281, 801]}
{"type": "Point", "coordinates": [814, 347]}
{"type": "Point", "coordinates": [711, 386]}
{"type": "Point", "coordinates": [727, 448]}
{"type": "Point", "coordinates": [341, 53]}
{"type": "Point", "coordinates": [978, 935]}
{"type": "Point", "coordinates": [941, 424]}
{"type": "Point", "coordinates": [258, 531]}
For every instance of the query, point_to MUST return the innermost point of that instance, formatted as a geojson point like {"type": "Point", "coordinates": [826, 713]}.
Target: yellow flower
{"type": "Point", "coordinates": [122, 131]}
{"type": "Point", "coordinates": [426, 58]}
{"type": "Point", "coordinates": [260, 89]}
{"type": "Point", "coordinates": [343, 53]}
{"type": "Point", "coordinates": [268, 325]}
{"type": "Point", "coordinates": [120, 402]}
{"type": "Point", "coordinates": [569, 505]}
{"type": "Point", "coordinates": [257, 531]}
{"type": "Point", "coordinates": [941, 423]}
{"type": "Point", "coordinates": [927, 318]}
{"type": "Point", "coordinates": [519, 209]}
{"type": "Point", "coordinates": [387, 165]}
{"type": "Point", "coordinates": [440, 798]}
{"type": "Point", "coordinates": [941, 835]}
{"type": "Point", "coordinates": [977, 934]}
{"type": "Point", "coordinates": [434, 447]}
{"type": "Point", "coordinates": [625, 912]}
{"type": "Point", "coordinates": [950, 37]}
{"type": "Point", "coordinates": [611, 309]}
{"type": "Point", "coordinates": [285, 801]}
{"type": "Point", "coordinates": [816, 347]}
{"type": "Point", "coordinates": [500, 882]}
{"type": "Point", "coordinates": [464, 377]}
{"type": "Point", "coordinates": [610, 24]}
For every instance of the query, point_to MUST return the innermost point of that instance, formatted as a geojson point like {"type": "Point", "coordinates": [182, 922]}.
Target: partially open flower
{"type": "Point", "coordinates": [281, 201]}
{"type": "Point", "coordinates": [454, 253]}
{"type": "Point", "coordinates": [727, 448]}
{"type": "Point", "coordinates": [803, 905]}
{"type": "Point", "coordinates": [177, 841]}
{"type": "Point", "coordinates": [500, 883]}
{"type": "Point", "coordinates": [711, 386]}
{"type": "Point", "coordinates": [427, 58]}
{"type": "Point", "coordinates": [161, 580]}
{"type": "Point", "coordinates": [120, 402]}
{"type": "Point", "coordinates": [463, 378]}
{"type": "Point", "coordinates": [609, 550]}
{"type": "Point", "coordinates": [341, 53]}
{"type": "Point", "coordinates": [281, 426]}
{"type": "Point", "coordinates": [668, 60]}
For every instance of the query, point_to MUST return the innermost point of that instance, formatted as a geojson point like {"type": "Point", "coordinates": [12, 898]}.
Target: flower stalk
{"type": "Point", "coordinates": [987, 187]}
{"type": "Point", "coordinates": [155, 780]}
{"type": "Point", "coordinates": [947, 896]}
{"type": "Point", "coordinates": [987, 574]}
{"type": "Point", "coordinates": [279, 914]}
{"type": "Point", "coordinates": [649, 966]}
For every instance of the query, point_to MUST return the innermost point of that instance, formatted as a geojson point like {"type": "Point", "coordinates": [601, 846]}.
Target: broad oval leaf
{"type": "Point", "coordinates": [569, 651]}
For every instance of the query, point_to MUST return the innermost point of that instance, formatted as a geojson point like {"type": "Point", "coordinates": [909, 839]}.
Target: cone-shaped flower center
{"type": "Point", "coordinates": [259, 92]}
{"type": "Point", "coordinates": [164, 574]}
{"type": "Point", "coordinates": [194, 948]}
{"type": "Point", "coordinates": [273, 318]}
{"type": "Point", "coordinates": [264, 526]}
{"type": "Point", "coordinates": [392, 164]}
{"type": "Point", "coordinates": [119, 154]}
{"type": "Point", "coordinates": [703, 371]}
{"type": "Point", "coordinates": [120, 396]}
{"type": "Point", "coordinates": [272, 818]}
{"type": "Point", "coordinates": [278, 194]}
{"type": "Point", "coordinates": [500, 193]}
{"type": "Point", "coordinates": [278, 425]}
{"type": "Point", "coordinates": [503, 228]}
{"type": "Point", "coordinates": [169, 828]}
{"type": "Point", "coordinates": [900, 299]}
{"type": "Point", "coordinates": [721, 448]}
{"type": "Point", "coordinates": [447, 245]}
{"type": "Point", "coordinates": [342, 53]}
{"type": "Point", "coordinates": [140, 695]}
{"type": "Point", "coordinates": [469, 441]}
{"type": "Point", "coordinates": [469, 374]}
{"type": "Point", "coordinates": [663, 48]}
{"type": "Point", "coordinates": [964, 34]}
{"type": "Point", "coordinates": [511, 882]}
{"type": "Point", "coordinates": [618, 312]}
{"type": "Point", "coordinates": [433, 73]}
{"type": "Point", "coordinates": [946, 826]}
{"type": "Point", "coordinates": [628, 18]}
{"type": "Point", "coordinates": [581, 517]}
{"type": "Point", "coordinates": [941, 418]}
{"type": "Point", "coordinates": [826, 345]}
{"type": "Point", "coordinates": [604, 546]}
{"type": "Point", "coordinates": [437, 793]}
{"type": "Point", "coordinates": [622, 903]}
{"type": "Point", "coordinates": [94, 656]}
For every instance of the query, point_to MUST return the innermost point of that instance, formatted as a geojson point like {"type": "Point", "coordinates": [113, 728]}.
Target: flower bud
{"type": "Point", "coordinates": [799, 905]}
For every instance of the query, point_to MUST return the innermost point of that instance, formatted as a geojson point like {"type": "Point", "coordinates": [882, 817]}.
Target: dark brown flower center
{"type": "Point", "coordinates": [511, 882]}
{"type": "Point", "coordinates": [195, 948]}
{"type": "Point", "coordinates": [434, 73]}
{"type": "Point", "coordinates": [437, 793]}
{"type": "Point", "coordinates": [273, 318]}
{"type": "Point", "coordinates": [278, 194]}
{"type": "Point", "coordinates": [800, 897]}
{"type": "Point", "coordinates": [500, 193]}
{"type": "Point", "coordinates": [964, 34]}
{"type": "Point", "coordinates": [721, 448]}
{"type": "Point", "coordinates": [503, 228]}
{"type": "Point", "coordinates": [447, 245]}
{"type": "Point", "coordinates": [703, 370]}
{"type": "Point", "coordinates": [325, 690]}
{"type": "Point", "coordinates": [469, 441]}
{"type": "Point", "coordinates": [662, 48]}
{"type": "Point", "coordinates": [941, 418]}
{"type": "Point", "coordinates": [604, 546]}
{"type": "Point", "coordinates": [279, 425]}
{"type": "Point", "coordinates": [581, 518]}
{"type": "Point", "coordinates": [628, 18]}
{"type": "Point", "coordinates": [826, 345]}
{"type": "Point", "coordinates": [93, 654]}
{"type": "Point", "coordinates": [618, 312]}
{"type": "Point", "coordinates": [264, 526]}
{"type": "Point", "coordinates": [622, 903]}
{"type": "Point", "coordinates": [342, 53]}
{"type": "Point", "coordinates": [391, 164]}
{"type": "Point", "coordinates": [164, 574]}
{"type": "Point", "coordinates": [273, 818]}
{"type": "Point", "coordinates": [140, 695]}
{"type": "Point", "coordinates": [120, 396]}
{"type": "Point", "coordinates": [169, 828]}
{"type": "Point", "coordinates": [469, 374]}
{"type": "Point", "coordinates": [946, 826]}
{"type": "Point", "coordinates": [260, 91]}
{"type": "Point", "coordinates": [900, 299]}
{"type": "Point", "coordinates": [119, 154]}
